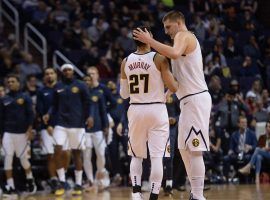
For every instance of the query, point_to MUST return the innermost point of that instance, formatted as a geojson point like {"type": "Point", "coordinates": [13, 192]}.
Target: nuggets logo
{"type": "Point", "coordinates": [101, 91]}
{"type": "Point", "coordinates": [20, 101]}
{"type": "Point", "coordinates": [195, 142]}
{"type": "Point", "coordinates": [94, 98]}
{"type": "Point", "coordinates": [169, 99]}
{"type": "Point", "coordinates": [169, 149]}
{"type": "Point", "coordinates": [119, 101]}
{"type": "Point", "coordinates": [74, 89]}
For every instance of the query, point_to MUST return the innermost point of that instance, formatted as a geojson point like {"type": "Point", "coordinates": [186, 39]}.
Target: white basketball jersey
{"type": "Point", "coordinates": [144, 79]}
{"type": "Point", "coordinates": [188, 70]}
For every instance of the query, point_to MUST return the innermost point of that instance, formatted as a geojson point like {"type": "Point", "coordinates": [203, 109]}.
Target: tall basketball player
{"type": "Point", "coordinates": [143, 75]}
{"type": "Point", "coordinates": [195, 101]}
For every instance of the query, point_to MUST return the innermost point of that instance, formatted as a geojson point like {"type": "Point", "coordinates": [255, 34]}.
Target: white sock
{"type": "Point", "coordinates": [197, 185]}
{"type": "Point", "coordinates": [169, 183]}
{"type": "Point", "coordinates": [155, 187]}
{"type": "Point", "coordinates": [29, 175]}
{"type": "Point", "coordinates": [78, 177]}
{"type": "Point", "coordinates": [197, 173]}
{"type": "Point", "coordinates": [10, 183]}
{"type": "Point", "coordinates": [136, 171]}
{"type": "Point", "coordinates": [61, 174]}
{"type": "Point", "coordinates": [87, 164]}
{"type": "Point", "coordinates": [156, 174]}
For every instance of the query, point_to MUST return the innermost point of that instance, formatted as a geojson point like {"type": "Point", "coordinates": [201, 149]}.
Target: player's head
{"type": "Point", "coordinates": [242, 122]}
{"type": "Point", "coordinates": [93, 73]}
{"type": "Point", "coordinates": [173, 22]}
{"type": "Point", "coordinates": [139, 43]}
{"type": "Point", "coordinates": [50, 75]}
{"type": "Point", "coordinates": [67, 71]}
{"type": "Point", "coordinates": [13, 82]}
{"type": "Point", "coordinates": [88, 80]}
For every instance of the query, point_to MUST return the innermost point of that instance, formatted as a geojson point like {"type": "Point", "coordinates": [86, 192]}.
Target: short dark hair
{"type": "Point", "coordinates": [137, 42]}
{"type": "Point", "coordinates": [174, 16]}
{"type": "Point", "coordinates": [50, 68]}
{"type": "Point", "coordinates": [14, 76]}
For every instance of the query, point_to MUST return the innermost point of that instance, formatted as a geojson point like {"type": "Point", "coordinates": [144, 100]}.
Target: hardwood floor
{"type": "Point", "coordinates": [217, 192]}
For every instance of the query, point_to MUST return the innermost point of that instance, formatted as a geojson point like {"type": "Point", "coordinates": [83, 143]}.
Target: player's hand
{"type": "Point", "coordinates": [50, 130]}
{"type": "Point", "coordinates": [29, 134]}
{"type": "Point", "coordinates": [142, 35]}
{"type": "Point", "coordinates": [46, 118]}
{"type": "Point", "coordinates": [119, 129]}
{"type": "Point", "coordinates": [247, 148]}
{"type": "Point", "coordinates": [90, 122]}
{"type": "Point", "coordinates": [168, 94]}
{"type": "Point", "coordinates": [172, 120]}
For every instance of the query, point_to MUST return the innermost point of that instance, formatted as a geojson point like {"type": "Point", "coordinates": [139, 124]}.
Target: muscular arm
{"type": "Point", "coordinates": [164, 67]}
{"type": "Point", "coordinates": [124, 91]}
{"type": "Point", "coordinates": [179, 47]}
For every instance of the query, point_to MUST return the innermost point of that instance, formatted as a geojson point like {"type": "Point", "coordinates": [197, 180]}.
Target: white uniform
{"type": "Point", "coordinates": [147, 114]}
{"type": "Point", "coordinates": [195, 101]}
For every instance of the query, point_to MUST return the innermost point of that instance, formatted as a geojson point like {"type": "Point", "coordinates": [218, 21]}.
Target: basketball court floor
{"type": "Point", "coordinates": [217, 192]}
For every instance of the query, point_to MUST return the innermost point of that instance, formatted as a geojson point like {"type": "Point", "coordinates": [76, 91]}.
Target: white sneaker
{"type": "Point", "coordinates": [136, 196]}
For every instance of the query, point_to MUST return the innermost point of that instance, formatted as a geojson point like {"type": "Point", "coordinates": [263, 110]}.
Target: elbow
{"type": "Point", "coordinates": [175, 55]}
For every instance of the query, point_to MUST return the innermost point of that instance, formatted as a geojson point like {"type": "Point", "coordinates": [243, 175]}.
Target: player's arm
{"type": "Point", "coordinates": [1, 121]}
{"type": "Point", "coordinates": [124, 91]}
{"type": "Point", "coordinates": [164, 67]}
{"type": "Point", "coordinates": [174, 52]}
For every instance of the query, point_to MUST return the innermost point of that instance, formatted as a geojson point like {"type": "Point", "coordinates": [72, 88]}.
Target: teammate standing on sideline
{"type": "Point", "coordinates": [71, 104]}
{"type": "Point", "coordinates": [94, 137]}
{"type": "Point", "coordinates": [195, 101]}
{"type": "Point", "coordinates": [16, 119]}
{"type": "Point", "coordinates": [44, 102]}
{"type": "Point", "coordinates": [143, 74]}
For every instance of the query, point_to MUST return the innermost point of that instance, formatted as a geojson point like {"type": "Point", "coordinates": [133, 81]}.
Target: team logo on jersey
{"type": "Point", "coordinates": [168, 148]}
{"type": "Point", "coordinates": [195, 142]}
{"type": "Point", "coordinates": [101, 91]}
{"type": "Point", "coordinates": [94, 98]}
{"type": "Point", "coordinates": [20, 101]}
{"type": "Point", "coordinates": [74, 89]}
{"type": "Point", "coordinates": [119, 101]}
{"type": "Point", "coordinates": [169, 99]}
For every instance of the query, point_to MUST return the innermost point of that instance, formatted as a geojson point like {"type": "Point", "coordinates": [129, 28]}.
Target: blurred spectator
{"type": "Point", "coordinates": [249, 5]}
{"type": "Point", "coordinates": [199, 28]}
{"type": "Point", "coordinates": [229, 110]}
{"type": "Point", "coordinates": [252, 49]}
{"type": "Point", "coordinates": [262, 153]}
{"type": "Point", "coordinates": [28, 67]}
{"type": "Point", "coordinates": [199, 7]}
{"type": "Point", "coordinates": [249, 68]}
{"type": "Point", "coordinates": [97, 29]}
{"type": "Point", "coordinates": [260, 113]}
{"type": "Point", "coordinates": [31, 87]}
{"type": "Point", "coordinates": [125, 41]}
{"type": "Point", "coordinates": [242, 144]}
{"type": "Point", "coordinates": [266, 100]}
{"type": "Point", "coordinates": [235, 87]}
{"type": "Point", "coordinates": [218, 52]}
{"type": "Point", "coordinates": [231, 50]}
{"type": "Point", "coordinates": [104, 68]}
{"type": "Point", "coordinates": [40, 14]}
{"type": "Point", "coordinates": [256, 88]}
{"type": "Point", "coordinates": [215, 89]}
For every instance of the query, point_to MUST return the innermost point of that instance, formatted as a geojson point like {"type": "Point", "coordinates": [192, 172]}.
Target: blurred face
{"type": "Point", "coordinates": [32, 81]}
{"type": "Point", "coordinates": [2, 91]}
{"type": "Point", "coordinates": [93, 74]}
{"type": "Point", "coordinates": [68, 73]}
{"type": "Point", "coordinates": [88, 81]}
{"type": "Point", "coordinates": [171, 27]}
{"type": "Point", "coordinates": [50, 76]}
{"type": "Point", "coordinates": [242, 124]}
{"type": "Point", "coordinates": [267, 128]}
{"type": "Point", "coordinates": [13, 84]}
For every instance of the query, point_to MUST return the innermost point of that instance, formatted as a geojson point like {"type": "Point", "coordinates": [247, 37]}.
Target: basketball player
{"type": "Point", "coordinates": [16, 119]}
{"type": "Point", "coordinates": [195, 101]}
{"type": "Point", "coordinates": [44, 102]}
{"type": "Point", "coordinates": [71, 104]}
{"type": "Point", "coordinates": [143, 74]}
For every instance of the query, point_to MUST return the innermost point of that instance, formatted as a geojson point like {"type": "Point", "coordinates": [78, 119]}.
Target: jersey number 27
{"type": "Point", "coordinates": [134, 83]}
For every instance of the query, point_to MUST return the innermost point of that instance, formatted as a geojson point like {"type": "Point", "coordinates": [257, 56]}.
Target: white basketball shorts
{"type": "Point", "coordinates": [148, 123]}
{"type": "Point", "coordinates": [75, 137]}
{"type": "Point", "coordinates": [193, 124]}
